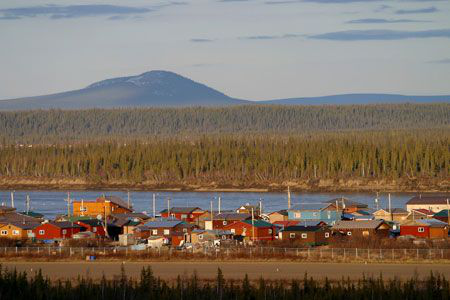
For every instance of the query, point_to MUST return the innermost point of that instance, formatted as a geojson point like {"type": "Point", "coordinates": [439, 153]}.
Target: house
{"type": "Point", "coordinates": [420, 213]}
{"type": "Point", "coordinates": [433, 203]}
{"type": "Point", "coordinates": [104, 205]}
{"type": "Point", "coordinates": [443, 215]}
{"type": "Point", "coordinates": [347, 205]}
{"type": "Point", "coordinates": [201, 236]}
{"type": "Point", "coordinates": [93, 225]}
{"type": "Point", "coordinates": [9, 214]}
{"type": "Point", "coordinates": [220, 221]}
{"type": "Point", "coordinates": [396, 214]}
{"type": "Point", "coordinates": [17, 230]}
{"type": "Point", "coordinates": [281, 215]}
{"type": "Point", "coordinates": [248, 209]}
{"type": "Point", "coordinates": [166, 229]}
{"type": "Point", "coordinates": [187, 214]}
{"type": "Point", "coordinates": [311, 235]}
{"type": "Point", "coordinates": [425, 228]}
{"type": "Point", "coordinates": [325, 212]}
{"type": "Point", "coordinates": [370, 228]}
{"type": "Point", "coordinates": [256, 230]}
{"type": "Point", "coordinates": [127, 222]}
{"type": "Point", "coordinates": [56, 230]}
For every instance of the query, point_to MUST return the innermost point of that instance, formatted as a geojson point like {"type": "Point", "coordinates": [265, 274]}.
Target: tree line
{"type": "Point", "coordinates": [239, 159]}
{"type": "Point", "coordinates": [54, 126]}
{"type": "Point", "coordinates": [17, 285]}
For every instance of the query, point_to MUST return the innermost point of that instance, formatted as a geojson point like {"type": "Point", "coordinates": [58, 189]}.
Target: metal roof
{"type": "Point", "coordinates": [369, 224]}
{"type": "Point", "coordinates": [428, 200]}
{"type": "Point", "coordinates": [232, 216]}
{"type": "Point", "coordinates": [302, 228]}
{"type": "Point", "coordinates": [347, 203]}
{"type": "Point", "coordinates": [311, 206]}
{"type": "Point", "coordinates": [165, 224]}
{"type": "Point", "coordinates": [117, 200]}
{"type": "Point", "coordinates": [182, 210]}
{"type": "Point", "coordinates": [442, 213]}
{"type": "Point", "coordinates": [258, 223]}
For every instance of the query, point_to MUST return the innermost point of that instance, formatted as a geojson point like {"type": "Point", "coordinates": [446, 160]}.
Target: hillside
{"type": "Point", "coordinates": [59, 125]}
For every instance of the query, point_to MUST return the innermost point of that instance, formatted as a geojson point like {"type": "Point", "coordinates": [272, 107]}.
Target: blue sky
{"type": "Point", "coordinates": [250, 49]}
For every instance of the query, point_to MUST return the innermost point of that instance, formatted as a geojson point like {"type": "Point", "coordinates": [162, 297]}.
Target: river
{"type": "Point", "coordinates": [51, 203]}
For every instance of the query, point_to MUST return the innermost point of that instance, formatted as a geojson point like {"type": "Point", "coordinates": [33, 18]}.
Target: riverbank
{"type": "Point", "coordinates": [311, 185]}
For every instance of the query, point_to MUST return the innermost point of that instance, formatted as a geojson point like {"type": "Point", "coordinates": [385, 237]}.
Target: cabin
{"type": "Point", "coordinates": [220, 221]}
{"type": "Point", "coordinates": [56, 230]}
{"type": "Point", "coordinates": [187, 214]}
{"type": "Point", "coordinates": [421, 213]}
{"type": "Point", "coordinates": [395, 214]}
{"type": "Point", "coordinates": [249, 209]}
{"type": "Point", "coordinates": [166, 229]}
{"type": "Point", "coordinates": [256, 230]}
{"type": "Point", "coordinates": [93, 225]}
{"type": "Point", "coordinates": [372, 228]}
{"type": "Point", "coordinates": [433, 203]}
{"type": "Point", "coordinates": [310, 235]}
{"type": "Point", "coordinates": [17, 230]}
{"type": "Point", "coordinates": [101, 207]}
{"type": "Point", "coordinates": [281, 215]}
{"type": "Point", "coordinates": [201, 236]}
{"type": "Point", "coordinates": [326, 212]}
{"type": "Point", "coordinates": [346, 205]}
{"type": "Point", "coordinates": [425, 228]}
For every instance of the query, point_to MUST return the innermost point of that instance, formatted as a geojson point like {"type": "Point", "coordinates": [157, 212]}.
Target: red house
{"type": "Point", "coordinates": [257, 230]}
{"type": "Point", "coordinates": [187, 214]}
{"type": "Point", "coordinates": [93, 225]}
{"type": "Point", "coordinates": [220, 221]}
{"type": "Point", "coordinates": [425, 228]}
{"type": "Point", "coordinates": [56, 230]}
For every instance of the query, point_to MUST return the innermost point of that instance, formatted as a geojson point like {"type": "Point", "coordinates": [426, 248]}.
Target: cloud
{"type": "Point", "coordinates": [383, 21]}
{"type": "Point", "coordinates": [364, 35]}
{"type": "Point", "coordinates": [440, 61]}
{"type": "Point", "coordinates": [201, 40]}
{"type": "Point", "coordinates": [426, 10]}
{"type": "Point", "coordinates": [71, 11]}
{"type": "Point", "coordinates": [272, 37]}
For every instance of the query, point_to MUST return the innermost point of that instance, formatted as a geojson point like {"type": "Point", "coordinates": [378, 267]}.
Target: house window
{"type": "Point", "coordinates": [4, 232]}
{"type": "Point", "coordinates": [421, 229]}
{"type": "Point", "coordinates": [224, 223]}
{"type": "Point", "coordinates": [15, 232]}
{"type": "Point", "coordinates": [349, 233]}
{"type": "Point", "coordinates": [270, 230]}
{"type": "Point", "coordinates": [155, 231]}
{"type": "Point", "coordinates": [315, 214]}
{"type": "Point", "coordinates": [297, 215]}
{"type": "Point", "coordinates": [29, 231]}
{"type": "Point", "coordinates": [41, 232]}
{"type": "Point", "coordinates": [304, 235]}
{"type": "Point", "coordinates": [183, 216]}
{"type": "Point", "coordinates": [329, 214]}
{"type": "Point", "coordinates": [83, 208]}
{"type": "Point", "coordinates": [64, 231]}
{"type": "Point", "coordinates": [292, 235]}
{"type": "Point", "coordinates": [224, 237]}
{"type": "Point", "coordinates": [233, 231]}
{"type": "Point", "coordinates": [327, 234]}
{"type": "Point", "coordinates": [200, 237]}
{"type": "Point", "coordinates": [166, 231]}
{"type": "Point", "coordinates": [94, 229]}
{"type": "Point", "coordinates": [184, 229]}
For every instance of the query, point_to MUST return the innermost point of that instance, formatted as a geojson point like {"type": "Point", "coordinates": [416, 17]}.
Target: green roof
{"type": "Point", "coordinates": [258, 223]}
{"type": "Point", "coordinates": [77, 218]}
{"type": "Point", "coordinates": [32, 214]}
{"type": "Point", "coordinates": [442, 213]}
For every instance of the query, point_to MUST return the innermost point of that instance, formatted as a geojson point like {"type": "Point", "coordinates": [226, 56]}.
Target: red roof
{"type": "Point", "coordinates": [424, 211]}
{"type": "Point", "coordinates": [286, 223]}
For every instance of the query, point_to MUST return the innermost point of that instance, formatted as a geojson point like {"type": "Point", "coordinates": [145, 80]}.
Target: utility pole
{"type": "Point", "coordinates": [105, 226]}
{"type": "Point", "coordinates": [28, 204]}
{"type": "Point", "coordinates": [260, 206]}
{"type": "Point", "coordinates": [219, 204]}
{"type": "Point", "coordinates": [390, 211]}
{"type": "Point", "coordinates": [448, 213]}
{"type": "Point", "coordinates": [68, 204]}
{"type": "Point", "coordinates": [168, 207]}
{"type": "Point", "coordinates": [82, 207]}
{"type": "Point", "coordinates": [253, 226]}
{"type": "Point", "coordinates": [289, 198]}
{"type": "Point", "coordinates": [128, 196]}
{"type": "Point", "coordinates": [154, 205]}
{"type": "Point", "coordinates": [212, 216]}
{"type": "Point", "coordinates": [12, 199]}
{"type": "Point", "coordinates": [376, 201]}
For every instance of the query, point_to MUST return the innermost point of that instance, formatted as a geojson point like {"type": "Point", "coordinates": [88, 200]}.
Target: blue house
{"type": "Point", "coordinates": [325, 212]}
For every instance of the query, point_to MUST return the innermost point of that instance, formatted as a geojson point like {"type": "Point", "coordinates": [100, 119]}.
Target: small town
{"type": "Point", "coordinates": [111, 221]}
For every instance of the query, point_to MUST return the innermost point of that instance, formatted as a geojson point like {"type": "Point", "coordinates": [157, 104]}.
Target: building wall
{"type": "Point", "coordinates": [99, 230]}
{"type": "Point", "coordinates": [54, 232]}
{"type": "Point", "coordinates": [9, 229]}
{"type": "Point", "coordinates": [433, 207]}
{"type": "Point", "coordinates": [365, 232]}
{"type": "Point", "coordinates": [414, 231]}
{"type": "Point", "coordinates": [275, 217]}
{"type": "Point", "coordinates": [190, 218]}
{"type": "Point", "coordinates": [312, 237]}
{"type": "Point", "coordinates": [94, 208]}
{"type": "Point", "coordinates": [260, 233]}
{"type": "Point", "coordinates": [328, 216]}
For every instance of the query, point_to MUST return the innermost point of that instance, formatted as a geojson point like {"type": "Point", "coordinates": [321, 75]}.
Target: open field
{"type": "Point", "coordinates": [234, 270]}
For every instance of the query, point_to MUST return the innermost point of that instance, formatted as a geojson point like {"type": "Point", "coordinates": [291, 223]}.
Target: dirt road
{"type": "Point", "coordinates": [269, 270]}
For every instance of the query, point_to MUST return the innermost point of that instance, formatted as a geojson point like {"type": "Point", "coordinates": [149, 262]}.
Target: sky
{"type": "Point", "coordinates": [248, 49]}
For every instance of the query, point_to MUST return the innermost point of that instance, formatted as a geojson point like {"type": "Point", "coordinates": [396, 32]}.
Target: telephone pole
{"type": "Point", "coordinates": [154, 205]}
{"type": "Point", "coordinates": [289, 198]}
{"type": "Point", "coordinates": [12, 199]}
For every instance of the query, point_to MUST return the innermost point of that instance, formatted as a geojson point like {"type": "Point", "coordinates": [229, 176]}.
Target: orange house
{"type": "Point", "coordinates": [100, 207]}
{"type": "Point", "coordinates": [17, 230]}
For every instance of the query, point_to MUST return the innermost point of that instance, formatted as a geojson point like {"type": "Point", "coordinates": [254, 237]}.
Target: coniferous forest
{"type": "Point", "coordinates": [15, 285]}
{"type": "Point", "coordinates": [245, 146]}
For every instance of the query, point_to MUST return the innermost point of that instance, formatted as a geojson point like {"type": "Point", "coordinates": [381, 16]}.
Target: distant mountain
{"type": "Point", "coordinates": [154, 88]}
{"type": "Point", "coordinates": [359, 99]}
{"type": "Point", "coordinates": [167, 89]}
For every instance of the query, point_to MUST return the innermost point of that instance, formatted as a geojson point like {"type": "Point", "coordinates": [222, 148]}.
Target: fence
{"type": "Point", "coordinates": [265, 253]}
